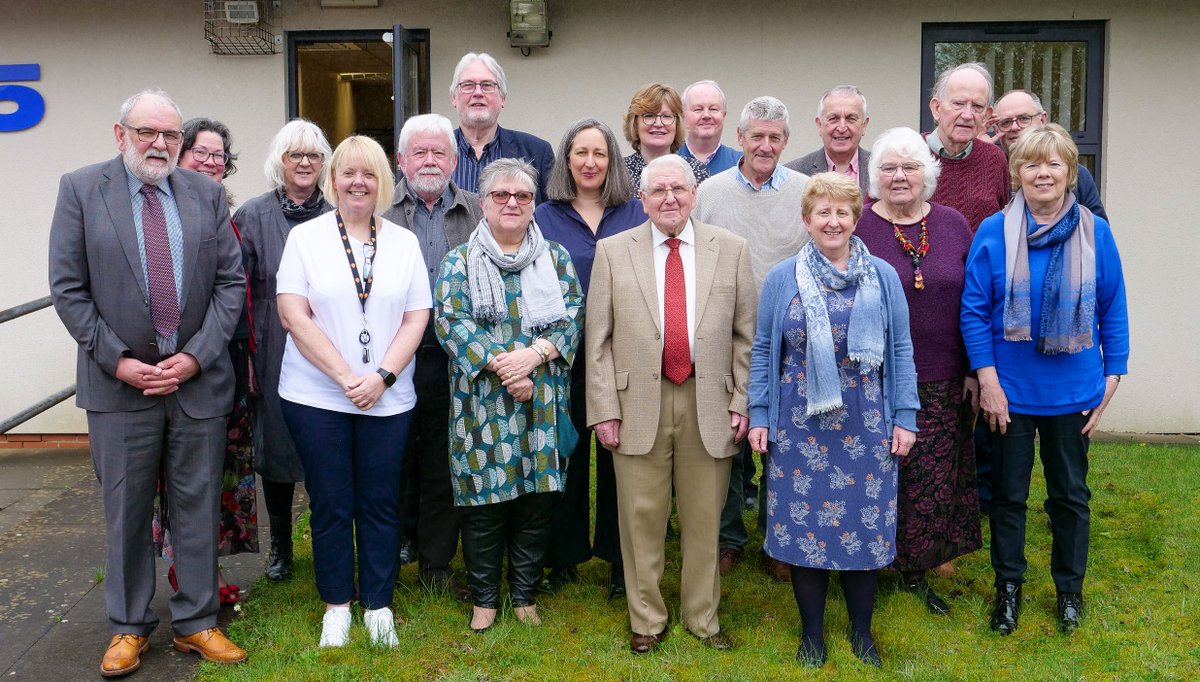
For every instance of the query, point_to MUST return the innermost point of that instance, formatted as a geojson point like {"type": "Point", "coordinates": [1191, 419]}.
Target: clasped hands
{"type": "Point", "coordinates": [163, 378]}
{"type": "Point", "coordinates": [514, 368]}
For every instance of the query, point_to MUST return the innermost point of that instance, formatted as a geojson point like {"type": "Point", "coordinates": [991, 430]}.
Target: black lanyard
{"type": "Point", "coordinates": [362, 284]}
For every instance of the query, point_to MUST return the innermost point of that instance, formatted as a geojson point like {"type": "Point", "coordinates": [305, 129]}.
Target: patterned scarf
{"type": "Point", "coordinates": [541, 303]}
{"type": "Point", "coordinates": [1069, 288]}
{"type": "Point", "coordinates": [865, 336]}
{"type": "Point", "coordinates": [312, 207]}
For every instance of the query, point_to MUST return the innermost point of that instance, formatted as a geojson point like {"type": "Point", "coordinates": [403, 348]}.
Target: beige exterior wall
{"type": "Point", "coordinates": [93, 55]}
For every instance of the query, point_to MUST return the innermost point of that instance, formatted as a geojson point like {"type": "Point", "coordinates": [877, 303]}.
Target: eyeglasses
{"type": "Point", "coordinates": [486, 87]}
{"type": "Point", "coordinates": [1022, 120]}
{"type": "Point", "coordinates": [907, 168]}
{"type": "Point", "coordinates": [501, 197]}
{"type": "Point", "coordinates": [150, 134]}
{"type": "Point", "coordinates": [662, 192]}
{"type": "Point", "coordinates": [201, 154]}
{"type": "Point", "coordinates": [665, 119]}
{"type": "Point", "coordinates": [313, 157]}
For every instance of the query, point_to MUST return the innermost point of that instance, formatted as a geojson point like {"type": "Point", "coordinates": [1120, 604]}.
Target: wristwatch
{"type": "Point", "coordinates": [388, 377]}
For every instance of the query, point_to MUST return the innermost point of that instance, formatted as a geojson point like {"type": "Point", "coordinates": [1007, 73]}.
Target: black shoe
{"type": "Point", "coordinates": [279, 561]}
{"type": "Point", "coordinates": [1070, 609]}
{"type": "Point", "coordinates": [864, 649]}
{"type": "Point", "coordinates": [558, 577]}
{"type": "Point", "coordinates": [921, 587]}
{"type": "Point", "coordinates": [1007, 609]}
{"type": "Point", "coordinates": [616, 582]}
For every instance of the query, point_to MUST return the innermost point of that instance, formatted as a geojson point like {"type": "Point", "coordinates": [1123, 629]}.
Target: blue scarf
{"type": "Point", "coordinates": [865, 335]}
{"type": "Point", "coordinates": [1068, 312]}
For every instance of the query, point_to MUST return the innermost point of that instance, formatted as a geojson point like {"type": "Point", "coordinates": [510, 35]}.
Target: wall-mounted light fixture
{"type": "Point", "coordinates": [528, 25]}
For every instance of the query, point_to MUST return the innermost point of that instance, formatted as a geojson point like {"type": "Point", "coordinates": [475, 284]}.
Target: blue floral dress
{"type": "Point", "coordinates": [501, 449]}
{"type": "Point", "coordinates": [831, 479]}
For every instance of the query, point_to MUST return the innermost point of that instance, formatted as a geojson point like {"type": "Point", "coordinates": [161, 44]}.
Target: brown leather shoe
{"type": "Point", "coordinates": [719, 641]}
{"type": "Point", "coordinates": [778, 570]}
{"type": "Point", "coordinates": [727, 559]}
{"type": "Point", "coordinates": [644, 644]}
{"type": "Point", "coordinates": [212, 645]}
{"type": "Point", "coordinates": [124, 654]}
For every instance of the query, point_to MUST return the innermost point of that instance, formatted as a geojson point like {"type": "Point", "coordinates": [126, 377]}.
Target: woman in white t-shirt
{"type": "Point", "coordinates": [354, 298]}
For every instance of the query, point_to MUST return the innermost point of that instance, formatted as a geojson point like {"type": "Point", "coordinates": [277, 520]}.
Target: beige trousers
{"type": "Point", "coordinates": [644, 503]}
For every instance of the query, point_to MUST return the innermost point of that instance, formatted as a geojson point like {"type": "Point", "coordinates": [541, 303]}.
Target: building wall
{"type": "Point", "coordinates": [94, 54]}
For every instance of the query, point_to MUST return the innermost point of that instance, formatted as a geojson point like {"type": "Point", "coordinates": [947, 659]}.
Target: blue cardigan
{"type": "Point", "coordinates": [900, 399]}
{"type": "Point", "coordinates": [1035, 383]}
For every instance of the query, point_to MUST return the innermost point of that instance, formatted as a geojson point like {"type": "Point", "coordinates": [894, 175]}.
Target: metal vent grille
{"type": "Point", "coordinates": [239, 27]}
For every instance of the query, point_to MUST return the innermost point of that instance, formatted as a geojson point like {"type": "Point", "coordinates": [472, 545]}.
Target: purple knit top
{"type": "Point", "coordinates": [933, 311]}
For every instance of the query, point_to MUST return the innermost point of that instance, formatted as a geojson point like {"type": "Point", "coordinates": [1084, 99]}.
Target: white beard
{"type": "Point", "coordinates": [151, 175]}
{"type": "Point", "coordinates": [429, 184]}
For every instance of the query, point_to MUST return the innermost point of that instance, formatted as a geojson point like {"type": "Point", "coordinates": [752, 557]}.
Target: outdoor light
{"type": "Point", "coordinates": [527, 21]}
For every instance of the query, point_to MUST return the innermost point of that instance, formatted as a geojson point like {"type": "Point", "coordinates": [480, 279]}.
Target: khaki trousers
{"type": "Point", "coordinates": [644, 503]}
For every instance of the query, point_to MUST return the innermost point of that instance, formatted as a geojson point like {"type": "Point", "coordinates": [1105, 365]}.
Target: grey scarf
{"type": "Point", "coordinates": [1069, 290]}
{"type": "Point", "coordinates": [865, 336]}
{"type": "Point", "coordinates": [541, 302]}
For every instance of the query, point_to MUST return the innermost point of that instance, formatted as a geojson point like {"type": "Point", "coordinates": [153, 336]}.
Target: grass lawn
{"type": "Point", "coordinates": [1142, 617]}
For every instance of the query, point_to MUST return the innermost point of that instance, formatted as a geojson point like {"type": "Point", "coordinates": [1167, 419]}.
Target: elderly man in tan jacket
{"type": "Point", "coordinates": [670, 320]}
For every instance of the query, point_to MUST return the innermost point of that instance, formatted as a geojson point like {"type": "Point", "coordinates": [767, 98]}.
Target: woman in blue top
{"type": "Point", "coordinates": [587, 203]}
{"type": "Point", "coordinates": [1046, 331]}
{"type": "Point", "coordinates": [833, 400]}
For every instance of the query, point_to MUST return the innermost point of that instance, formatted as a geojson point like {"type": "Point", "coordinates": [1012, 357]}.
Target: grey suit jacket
{"type": "Point", "coordinates": [102, 298]}
{"type": "Point", "coordinates": [623, 337]}
{"type": "Point", "coordinates": [813, 163]}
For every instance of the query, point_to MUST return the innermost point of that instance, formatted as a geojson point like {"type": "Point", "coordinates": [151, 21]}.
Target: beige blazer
{"type": "Point", "coordinates": [623, 338]}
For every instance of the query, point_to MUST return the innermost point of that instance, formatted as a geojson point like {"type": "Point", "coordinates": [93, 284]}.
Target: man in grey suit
{"type": "Point", "coordinates": [146, 275]}
{"type": "Point", "coordinates": [841, 121]}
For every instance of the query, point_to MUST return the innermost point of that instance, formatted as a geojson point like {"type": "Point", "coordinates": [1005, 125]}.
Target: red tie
{"type": "Point", "coordinates": [164, 301]}
{"type": "Point", "coordinates": [677, 356]}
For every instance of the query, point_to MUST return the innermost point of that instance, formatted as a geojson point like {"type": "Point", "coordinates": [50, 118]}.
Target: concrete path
{"type": "Point", "coordinates": [52, 623]}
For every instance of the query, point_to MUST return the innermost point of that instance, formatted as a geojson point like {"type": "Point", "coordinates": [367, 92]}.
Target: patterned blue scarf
{"type": "Point", "coordinates": [865, 335]}
{"type": "Point", "coordinates": [1068, 312]}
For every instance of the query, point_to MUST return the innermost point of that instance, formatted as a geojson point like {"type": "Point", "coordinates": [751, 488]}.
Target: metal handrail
{"type": "Point", "coordinates": [50, 400]}
{"type": "Point", "coordinates": [24, 309]}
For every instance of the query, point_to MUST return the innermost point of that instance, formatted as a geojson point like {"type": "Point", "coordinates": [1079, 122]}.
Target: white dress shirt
{"type": "Point", "coordinates": [687, 253]}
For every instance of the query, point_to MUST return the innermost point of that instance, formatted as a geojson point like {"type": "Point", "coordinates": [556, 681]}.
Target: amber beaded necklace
{"type": "Point", "coordinates": [915, 252]}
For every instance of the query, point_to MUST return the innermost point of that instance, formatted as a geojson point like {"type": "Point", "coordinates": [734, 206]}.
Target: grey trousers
{"type": "Point", "coordinates": [129, 449]}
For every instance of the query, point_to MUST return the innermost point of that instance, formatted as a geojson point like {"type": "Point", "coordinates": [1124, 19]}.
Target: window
{"type": "Point", "coordinates": [1060, 61]}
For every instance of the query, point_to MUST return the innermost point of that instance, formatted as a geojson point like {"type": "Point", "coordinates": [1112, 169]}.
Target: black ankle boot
{"type": "Point", "coordinates": [279, 562]}
{"type": "Point", "coordinates": [918, 585]}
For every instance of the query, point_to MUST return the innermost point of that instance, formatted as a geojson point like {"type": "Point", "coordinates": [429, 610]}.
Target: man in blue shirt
{"type": "Point", "coordinates": [1019, 109]}
{"type": "Point", "coordinates": [704, 110]}
{"type": "Point", "coordinates": [478, 92]}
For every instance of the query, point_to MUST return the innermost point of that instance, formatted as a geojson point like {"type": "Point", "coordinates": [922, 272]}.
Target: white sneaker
{"type": "Point", "coordinates": [382, 626]}
{"type": "Point", "coordinates": [335, 627]}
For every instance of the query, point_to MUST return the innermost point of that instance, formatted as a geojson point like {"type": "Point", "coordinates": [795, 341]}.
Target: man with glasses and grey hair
{"type": "Point", "coordinates": [974, 179]}
{"type": "Point", "coordinates": [478, 92]}
{"type": "Point", "coordinates": [758, 200]}
{"type": "Point", "coordinates": [841, 122]}
{"type": "Point", "coordinates": [146, 275]}
{"type": "Point", "coordinates": [704, 122]}
{"type": "Point", "coordinates": [1019, 109]}
{"type": "Point", "coordinates": [670, 319]}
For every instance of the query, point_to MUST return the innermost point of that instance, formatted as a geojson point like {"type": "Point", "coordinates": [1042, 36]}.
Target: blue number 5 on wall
{"type": "Point", "coordinates": [30, 105]}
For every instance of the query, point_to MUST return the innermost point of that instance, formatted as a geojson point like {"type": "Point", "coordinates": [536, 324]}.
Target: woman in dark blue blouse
{"type": "Point", "coordinates": [587, 203]}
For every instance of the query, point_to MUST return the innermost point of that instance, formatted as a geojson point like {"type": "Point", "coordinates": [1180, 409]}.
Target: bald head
{"type": "Point", "coordinates": [961, 105]}
{"type": "Point", "coordinates": [1014, 112]}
